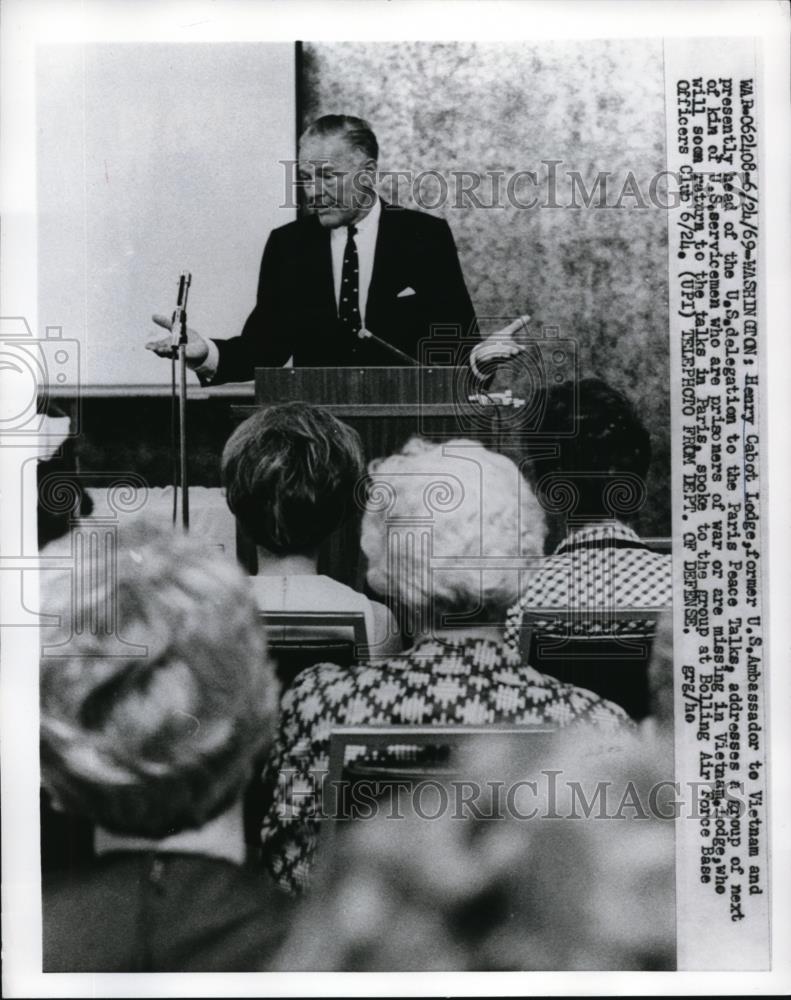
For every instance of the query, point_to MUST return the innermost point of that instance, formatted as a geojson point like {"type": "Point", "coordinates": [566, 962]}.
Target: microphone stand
{"type": "Point", "coordinates": [366, 334]}
{"type": "Point", "coordinates": [179, 353]}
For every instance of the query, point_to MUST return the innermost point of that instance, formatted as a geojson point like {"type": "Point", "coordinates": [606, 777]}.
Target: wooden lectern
{"type": "Point", "coordinates": [387, 406]}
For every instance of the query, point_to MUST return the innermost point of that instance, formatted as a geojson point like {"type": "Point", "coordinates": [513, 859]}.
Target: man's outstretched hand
{"type": "Point", "coordinates": [498, 345]}
{"type": "Point", "coordinates": [197, 349]}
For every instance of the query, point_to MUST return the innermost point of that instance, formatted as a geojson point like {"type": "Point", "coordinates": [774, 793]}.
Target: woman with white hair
{"type": "Point", "coordinates": [451, 533]}
{"type": "Point", "coordinates": [150, 729]}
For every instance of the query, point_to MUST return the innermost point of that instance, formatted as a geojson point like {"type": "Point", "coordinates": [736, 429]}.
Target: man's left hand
{"type": "Point", "coordinates": [498, 345]}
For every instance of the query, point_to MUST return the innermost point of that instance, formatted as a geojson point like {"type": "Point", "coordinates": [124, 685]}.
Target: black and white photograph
{"type": "Point", "coordinates": [389, 421]}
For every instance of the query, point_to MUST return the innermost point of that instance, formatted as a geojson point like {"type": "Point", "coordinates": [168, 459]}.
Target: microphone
{"type": "Point", "coordinates": [364, 334]}
{"type": "Point", "coordinates": [178, 327]}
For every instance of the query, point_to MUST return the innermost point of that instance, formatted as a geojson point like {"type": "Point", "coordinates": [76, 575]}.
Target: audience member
{"type": "Point", "coordinates": [291, 473]}
{"type": "Point", "coordinates": [61, 500]}
{"type": "Point", "coordinates": [62, 496]}
{"type": "Point", "coordinates": [553, 876]}
{"type": "Point", "coordinates": [150, 731]}
{"type": "Point", "coordinates": [601, 565]}
{"type": "Point", "coordinates": [450, 533]}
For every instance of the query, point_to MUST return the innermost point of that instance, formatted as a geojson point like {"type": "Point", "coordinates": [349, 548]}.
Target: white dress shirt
{"type": "Point", "coordinates": [365, 240]}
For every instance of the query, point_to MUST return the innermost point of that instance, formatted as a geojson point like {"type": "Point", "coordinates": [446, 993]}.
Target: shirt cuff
{"type": "Point", "coordinates": [208, 369]}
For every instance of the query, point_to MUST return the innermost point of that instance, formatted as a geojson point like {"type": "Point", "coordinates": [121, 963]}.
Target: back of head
{"type": "Point", "coordinates": [451, 529]}
{"type": "Point", "coordinates": [606, 457]}
{"type": "Point", "coordinates": [152, 727]}
{"type": "Point", "coordinates": [290, 474]}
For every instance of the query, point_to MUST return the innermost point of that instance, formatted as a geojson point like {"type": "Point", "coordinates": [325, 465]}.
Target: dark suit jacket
{"type": "Point", "coordinates": [162, 912]}
{"type": "Point", "coordinates": [296, 313]}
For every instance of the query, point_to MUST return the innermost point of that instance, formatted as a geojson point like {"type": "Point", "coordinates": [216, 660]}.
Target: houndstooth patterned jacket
{"type": "Point", "coordinates": [594, 571]}
{"type": "Point", "coordinates": [472, 682]}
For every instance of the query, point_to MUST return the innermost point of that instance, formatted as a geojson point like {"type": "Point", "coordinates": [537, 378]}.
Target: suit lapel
{"type": "Point", "coordinates": [386, 258]}
{"type": "Point", "coordinates": [316, 266]}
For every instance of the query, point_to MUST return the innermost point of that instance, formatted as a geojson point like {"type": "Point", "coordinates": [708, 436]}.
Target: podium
{"type": "Point", "coordinates": [386, 406]}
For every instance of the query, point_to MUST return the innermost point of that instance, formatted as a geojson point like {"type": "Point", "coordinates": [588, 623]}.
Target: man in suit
{"type": "Point", "coordinates": [353, 276]}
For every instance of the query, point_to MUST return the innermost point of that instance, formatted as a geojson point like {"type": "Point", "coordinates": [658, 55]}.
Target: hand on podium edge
{"type": "Point", "coordinates": [197, 349]}
{"type": "Point", "coordinates": [498, 345]}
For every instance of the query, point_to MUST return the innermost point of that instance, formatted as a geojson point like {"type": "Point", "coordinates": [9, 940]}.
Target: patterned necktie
{"type": "Point", "coordinates": [349, 305]}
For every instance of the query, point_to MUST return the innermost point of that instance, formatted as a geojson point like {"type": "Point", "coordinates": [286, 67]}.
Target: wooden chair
{"type": "Point", "coordinates": [295, 649]}
{"type": "Point", "coordinates": [611, 662]}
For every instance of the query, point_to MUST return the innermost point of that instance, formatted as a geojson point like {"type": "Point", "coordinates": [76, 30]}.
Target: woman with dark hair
{"type": "Point", "coordinates": [604, 449]}
{"type": "Point", "coordinates": [290, 474]}
{"type": "Point", "coordinates": [597, 480]}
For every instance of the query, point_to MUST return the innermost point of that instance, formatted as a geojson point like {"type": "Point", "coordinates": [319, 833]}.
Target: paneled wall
{"type": "Point", "coordinates": [596, 273]}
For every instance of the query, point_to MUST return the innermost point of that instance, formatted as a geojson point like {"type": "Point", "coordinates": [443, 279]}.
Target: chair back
{"type": "Point", "coordinates": [612, 660]}
{"type": "Point", "coordinates": [400, 756]}
{"type": "Point", "coordinates": [300, 639]}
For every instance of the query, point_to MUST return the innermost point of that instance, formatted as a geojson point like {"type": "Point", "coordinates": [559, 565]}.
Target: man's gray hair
{"type": "Point", "coordinates": [356, 131]}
